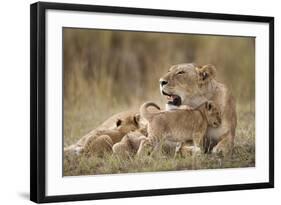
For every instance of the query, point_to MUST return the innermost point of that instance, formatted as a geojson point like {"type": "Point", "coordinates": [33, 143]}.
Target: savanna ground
{"type": "Point", "coordinates": [108, 72]}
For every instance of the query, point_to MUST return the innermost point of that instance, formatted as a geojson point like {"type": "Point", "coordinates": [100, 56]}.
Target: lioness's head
{"type": "Point", "coordinates": [212, 114]}
{"type": "Point", "coordinates": [183, 82]}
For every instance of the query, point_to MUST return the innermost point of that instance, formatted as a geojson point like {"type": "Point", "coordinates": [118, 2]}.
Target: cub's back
{"type": "Point", "coordinates": [176, 124]}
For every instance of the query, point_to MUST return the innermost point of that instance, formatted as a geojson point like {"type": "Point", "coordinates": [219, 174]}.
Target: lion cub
{"type": "Point", "coordinates": [101, 140]}
{"type": "Point", "coordinates": [129, 144]}
{"type": "Point", "coordinates": [178, 126]}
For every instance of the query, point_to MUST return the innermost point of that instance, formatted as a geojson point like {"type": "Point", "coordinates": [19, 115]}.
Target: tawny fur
{"type": "Point", "coordinates": [129, 144]}
{"type": "Point", "coordinates": [101, 139]}
{"type": "Point", "coordinates": [179, 125]}
{"type": "Point", "coordinates": [98, 146]}
{"type": "Point", "coordinates": [197, 84]}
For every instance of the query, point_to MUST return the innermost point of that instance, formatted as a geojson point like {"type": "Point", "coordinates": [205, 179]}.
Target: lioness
{"type": "Point", "coordinates": [191, 85]}
{"type": "Point", "coordinates": [179, 125]}
{"type": "Point", "coordinates": [93, 144]}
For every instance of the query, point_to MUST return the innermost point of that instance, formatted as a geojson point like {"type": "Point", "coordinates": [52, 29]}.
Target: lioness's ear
{"type": "Point", "coordinates": [206, 73]}
{"type": "Point", "coordinates": [137, 119]}
{"type": "Point", "coordinates": [118, 122]}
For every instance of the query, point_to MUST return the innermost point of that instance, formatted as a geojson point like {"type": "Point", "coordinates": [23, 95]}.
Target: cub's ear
{"type": "Point", "coordinates": [118, 122]}
{"type": "Point", "coordinates": [209, 105]}
{"type": "Point", "coordinates": [137, 119]}
{"type": "Point", "coordinates": [205, 73]}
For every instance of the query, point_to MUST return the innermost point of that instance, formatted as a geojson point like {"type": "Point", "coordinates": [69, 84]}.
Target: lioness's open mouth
{"type": "Point", "coordinates": [173, 99]}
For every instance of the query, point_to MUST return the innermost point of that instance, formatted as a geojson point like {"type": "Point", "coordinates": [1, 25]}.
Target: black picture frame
{"type": "Point", "coordinates": [38, 101]}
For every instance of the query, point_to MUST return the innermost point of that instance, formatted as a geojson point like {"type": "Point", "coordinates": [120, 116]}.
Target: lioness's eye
{"type": "Point", "coordinates": [180, 72]}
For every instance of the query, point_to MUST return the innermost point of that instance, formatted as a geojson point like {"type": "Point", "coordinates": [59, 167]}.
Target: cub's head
{"type": "Point", "coordinates": [129, 123]}
{"type": "Point", "coordinates": [212, 114]}
{"type": "Point", "coordinates": [183, 82]}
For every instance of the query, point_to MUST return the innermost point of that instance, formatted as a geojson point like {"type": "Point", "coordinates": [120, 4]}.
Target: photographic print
{"type": "Point", "coordinates": [131, 102]}
{"type": "Point", "coordinates": [150, 102]}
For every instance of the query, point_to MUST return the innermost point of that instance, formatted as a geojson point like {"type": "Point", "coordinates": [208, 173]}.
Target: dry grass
{"type": "Point", "coordinates": [108, 72]}
{"type": "Point", "coordinates": [244, 155]}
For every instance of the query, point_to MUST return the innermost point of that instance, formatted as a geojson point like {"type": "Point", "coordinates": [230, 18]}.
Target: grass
{"type": "Point", "coordinates": [243, 156]}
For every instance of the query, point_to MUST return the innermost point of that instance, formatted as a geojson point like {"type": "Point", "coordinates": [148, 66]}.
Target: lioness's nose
{"type": "Point", "coordinates": [163, 82]}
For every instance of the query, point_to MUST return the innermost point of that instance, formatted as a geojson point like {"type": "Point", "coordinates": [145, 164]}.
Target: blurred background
{"type": "Point", "coordinates": [106, 72]}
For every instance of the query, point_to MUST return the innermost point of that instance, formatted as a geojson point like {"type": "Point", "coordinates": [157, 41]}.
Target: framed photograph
{"type": "Point", "coordinates": [129, 102]}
